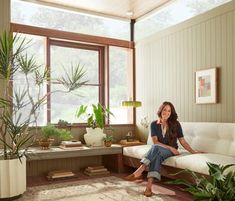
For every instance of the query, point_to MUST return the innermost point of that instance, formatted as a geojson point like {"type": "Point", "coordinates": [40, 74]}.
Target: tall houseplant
{"type": "Point", "coordinates": [95, 123]}
{"type": "Point", "coordinates": [14, 133]}
{"type": "Point", "coordinates": [219, 187]}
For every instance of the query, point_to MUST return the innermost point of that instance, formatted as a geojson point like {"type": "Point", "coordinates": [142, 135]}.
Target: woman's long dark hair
{"type": "Point", "coordinates": [172, 122]}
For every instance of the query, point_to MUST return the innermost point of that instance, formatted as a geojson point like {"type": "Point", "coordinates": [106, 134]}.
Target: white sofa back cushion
{"type": "Point", "coordinates": [209, 137]}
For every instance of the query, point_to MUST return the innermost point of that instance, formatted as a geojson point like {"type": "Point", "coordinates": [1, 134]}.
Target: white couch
{"type": "Point", "coordinates": [216, 139]}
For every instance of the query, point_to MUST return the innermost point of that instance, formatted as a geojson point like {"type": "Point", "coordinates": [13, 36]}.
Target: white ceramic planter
{"type": "Point", "coordinates": [12, 177]}
{"type": "Point", "coordinates": [94, 137]}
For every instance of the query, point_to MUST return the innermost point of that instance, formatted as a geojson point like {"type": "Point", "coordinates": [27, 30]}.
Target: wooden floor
{"type": "Point", "coordinates": [160, 187]}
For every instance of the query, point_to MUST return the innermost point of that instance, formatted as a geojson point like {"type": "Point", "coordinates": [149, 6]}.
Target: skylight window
{"type": "Point", "coordinates": [174, 13]}
{"type": "Point", "coordinates": [60, 19]}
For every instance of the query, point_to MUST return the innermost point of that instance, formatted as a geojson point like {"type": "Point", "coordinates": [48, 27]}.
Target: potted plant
{"type": "Point", "coordinates": [63, 123]}
{"type": "Point", "coordinates": [95, 123]}
{"type": "Point", "coordinates": [108, 140]}
{"type": "Point", "coordinates": [220, 186]}
{"type": "Point", "coordinates": [49, 132]}
{"type": "Point", "coordinates": [15, 137]}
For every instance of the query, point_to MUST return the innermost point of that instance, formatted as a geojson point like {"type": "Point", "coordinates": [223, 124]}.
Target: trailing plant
{"type": "Point", "coordinates": [96, 118]}
{"type": "Point", "coordinates": [219, 187]}
{"type": "Point", "coordinates": [15, 137]}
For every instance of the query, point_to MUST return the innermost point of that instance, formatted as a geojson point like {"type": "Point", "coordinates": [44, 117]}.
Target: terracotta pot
{"type": "Point", "coordinates": [108, 143]}
{"type": "Point", "coordinates": [45, 143]}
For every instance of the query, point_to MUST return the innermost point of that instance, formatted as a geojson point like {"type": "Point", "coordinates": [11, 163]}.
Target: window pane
{"type": "Point", "coordinates": [121, 82]}
{"type": "Point", "coordinates": [172, 14]}
{"type": "Point", "coordinates": [54, 18]}
{"type": "Point", "coordinates": [64, 106]}
{"type": "Point", "coordinates": [63, 57]}
{"type": "Point", "coordinates": [37, 50]}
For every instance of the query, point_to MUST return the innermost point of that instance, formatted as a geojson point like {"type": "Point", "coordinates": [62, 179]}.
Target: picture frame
{"type": "Point", "coordinates": [206, 86]}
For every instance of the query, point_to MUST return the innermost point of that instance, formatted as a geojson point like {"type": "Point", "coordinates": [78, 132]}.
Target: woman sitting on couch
{"type": "Point", "coordinates": [164, 132]}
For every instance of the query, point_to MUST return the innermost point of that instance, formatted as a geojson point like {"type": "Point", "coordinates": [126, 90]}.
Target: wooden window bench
{"type": "Point", "coordinates": [40, 162]}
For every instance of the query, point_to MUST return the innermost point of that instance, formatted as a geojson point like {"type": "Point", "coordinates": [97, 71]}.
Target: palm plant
{"type": "Point", "coordinates": [14, 133]}
{"type": "Point", "coordinates": [219, 187]}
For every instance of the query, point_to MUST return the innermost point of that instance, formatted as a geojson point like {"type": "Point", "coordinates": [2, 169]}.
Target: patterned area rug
{"type": "Point", "coordinates": [99, 189]}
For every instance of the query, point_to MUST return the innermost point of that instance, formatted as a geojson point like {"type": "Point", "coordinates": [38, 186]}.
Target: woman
{"type": "Point", "coordinates": [164, 132]}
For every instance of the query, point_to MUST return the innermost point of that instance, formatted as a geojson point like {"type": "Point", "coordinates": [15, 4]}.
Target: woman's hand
{"type": "Point", "coordinates": [174, 151]}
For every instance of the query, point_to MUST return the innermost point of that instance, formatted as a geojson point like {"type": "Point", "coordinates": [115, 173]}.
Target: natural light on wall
{"type": "Point", "coordinates": [176, 12]}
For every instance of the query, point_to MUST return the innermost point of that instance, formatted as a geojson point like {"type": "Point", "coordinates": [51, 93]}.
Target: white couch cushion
{"type": "Point", "coordinates": [136, 151]}
{"type": "Point", "coordinates": [140, 150]}
{"type": "Point", "coordinates": [216, 139]}
{"type": "Point", "coordinates": [197, 162]}
{"type": "Point", "coordinates": [211, 137]}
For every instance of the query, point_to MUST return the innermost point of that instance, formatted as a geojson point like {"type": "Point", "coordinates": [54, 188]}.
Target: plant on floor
{"type": "Point", "coordinates": [15, 137]}
{"type": "Point", "coordinates": [96, 118]}
{"type": "Point", "coordinates": [219, 187]}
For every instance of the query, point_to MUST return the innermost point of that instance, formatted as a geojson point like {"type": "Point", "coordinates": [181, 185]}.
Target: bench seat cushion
{"type": "Point", "coordinates": [194, 162]}
{"type": "Point", "coordinates": [197, 162]}
{"type": "Point", "coordinates": [140, 150]}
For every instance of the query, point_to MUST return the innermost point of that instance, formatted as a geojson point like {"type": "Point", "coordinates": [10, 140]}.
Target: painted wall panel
{"type": "Point", "coordinates": [166, 63]}
{"type": "Point", "coordinates": [4, 22]}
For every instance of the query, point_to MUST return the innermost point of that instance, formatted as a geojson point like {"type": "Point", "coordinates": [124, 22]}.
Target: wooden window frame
{"type": "Point", "coordinates": [85, 41]}
{"type": "Point", "coordinates": [75, 45]}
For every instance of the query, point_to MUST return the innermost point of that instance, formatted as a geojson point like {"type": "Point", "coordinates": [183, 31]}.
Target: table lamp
{"type": "Point", "coordinates": [131, 103]}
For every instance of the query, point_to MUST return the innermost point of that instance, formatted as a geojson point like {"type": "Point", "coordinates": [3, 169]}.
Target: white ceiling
{"type": "Point", "coordinates": [110, 8]}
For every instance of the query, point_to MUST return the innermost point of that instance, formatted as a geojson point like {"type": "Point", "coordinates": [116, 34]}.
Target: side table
{"type": "Point", "coordinates": [125, 143]}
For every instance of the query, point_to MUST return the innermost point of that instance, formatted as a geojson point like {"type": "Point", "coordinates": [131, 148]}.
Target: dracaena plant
{"type": "Point", "coordinates": [14, 122]}
{"type": "Point", "coordinates": [220, 186]}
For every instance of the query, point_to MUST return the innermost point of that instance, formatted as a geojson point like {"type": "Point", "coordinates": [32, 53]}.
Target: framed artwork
{"type": "Point", "coordinates": [206, 86]}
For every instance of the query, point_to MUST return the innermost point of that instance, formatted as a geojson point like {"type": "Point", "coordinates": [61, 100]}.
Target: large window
{"type": "Point", "coordinates": [107, 61]}
{"type": "Point", "coordinates": [108, 82]}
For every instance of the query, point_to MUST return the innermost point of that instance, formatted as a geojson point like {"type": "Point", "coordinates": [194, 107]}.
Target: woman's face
{"type": "Point", "coordinates": [166, 112]}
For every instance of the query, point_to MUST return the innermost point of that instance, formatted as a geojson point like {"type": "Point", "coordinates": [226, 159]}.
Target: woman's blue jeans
{"type": "Point", "coordinates": [154, 158]}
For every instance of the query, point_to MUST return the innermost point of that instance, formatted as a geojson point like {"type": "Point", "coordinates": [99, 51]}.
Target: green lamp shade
{"type": "Point", "coordinates": [131, 103]}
